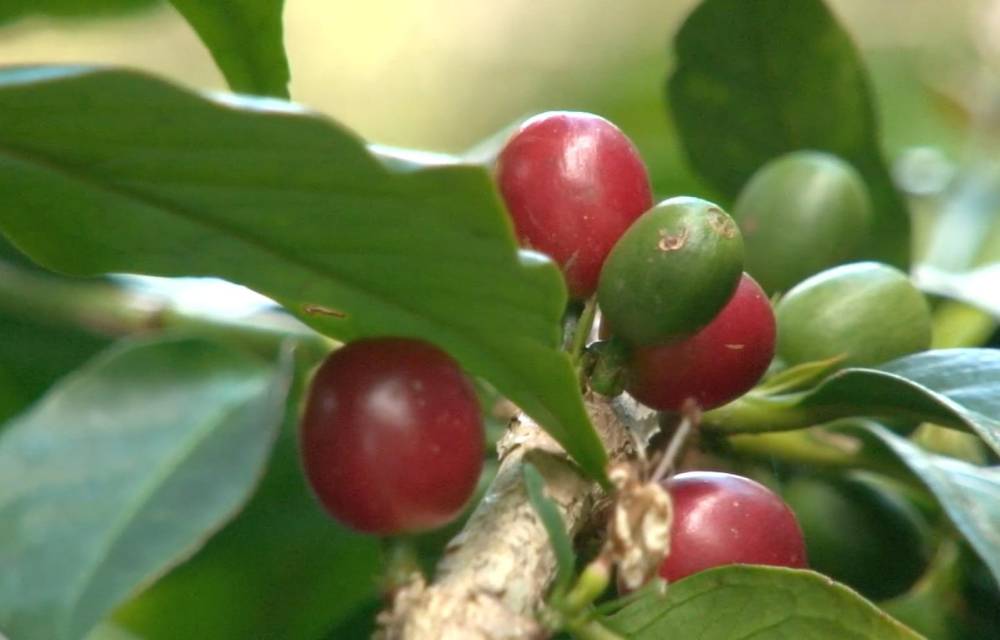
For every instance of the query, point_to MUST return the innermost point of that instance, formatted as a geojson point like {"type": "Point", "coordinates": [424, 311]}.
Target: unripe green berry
{"type": "Point", "coordinates": [801, 213]}
{"type": "Point", "coordinates": [671, 272]}
{"type": "Point", "coordinates": [866, 312]}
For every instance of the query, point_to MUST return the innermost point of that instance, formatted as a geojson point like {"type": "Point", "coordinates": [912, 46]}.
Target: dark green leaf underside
{"type": "Point", "coordinates": [755, 80]}
{"type": "Point", "coordinates": [128, 173]}
{"type": "Point", "coordinates": [954, 387]}
{"type": "Point", "coordinates": [970, 495]}
{"type": "Point", "coordinates": [960, 387]}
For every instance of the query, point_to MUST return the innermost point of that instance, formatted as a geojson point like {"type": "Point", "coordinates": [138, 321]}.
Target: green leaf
{"type": "Point", "coordinates": [122, 470]}
{"type": "Point", "coordinates": [548, 513]}
{"type": "Point", "coordinates": [15, 9]}
{"type": "Point", "coordinates": [763, 603]}
{"type": "Point", "coordinates": [281, 569]}
{"type": "Point", "coordinates": [969, 494]}
{"type": "Point", "coordinates": [799, 376]}
{"type": "Point", "coordinates": [953, 387]}
{"type": "Point", "coordinates": [40, 344]}
{"type": "Point", "coordinates": [33, 355]}
{"type": "Point", "coordinates": [128, 173]}
{"type": "Point", "coordinates": [755, 80]}
{"type": "Point", "coordinates": [108, 631]}
{"type": "Point", "coordinates": [246, 40]}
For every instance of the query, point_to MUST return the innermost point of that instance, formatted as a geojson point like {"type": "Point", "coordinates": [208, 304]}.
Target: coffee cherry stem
{"type": "Point", "coordinates": [589, 585]}
{"type": "Point", "coordinates": [402, 565]}
{"type": "Point", "coordinates": [591, 629]}
{"type": "Point", "coordinates": [690, 419]}
{"type": "Point", "coordinates": [574, 611]}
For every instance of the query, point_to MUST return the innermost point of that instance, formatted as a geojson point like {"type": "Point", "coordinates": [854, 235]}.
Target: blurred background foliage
{"type": "Point", "coordinates": [442, 75]}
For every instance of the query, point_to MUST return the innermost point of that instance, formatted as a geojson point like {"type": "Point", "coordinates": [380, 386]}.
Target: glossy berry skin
{"type": "Point", "coordinates": [573, 183]}
{"type": "Point", "coordinates": [801, 213]}
{"type": "Point", "coordinates": [866, 313]}
{"type": "Point", "coordinates": [722, 519]}
{"type": "Point", "coordinates": [392, 436]}
{"type": "Point", "coordinates": [671, 272]}
{"type": "Point", "coordinates": [718, 364]}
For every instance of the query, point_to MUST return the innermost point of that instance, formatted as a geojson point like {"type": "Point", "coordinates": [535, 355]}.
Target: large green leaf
{"type": "Point", "coordinates": [123, 469]}
{"type": "Point", "coordinates": [14, 9]}
{"type": "Point", "coordinates": [956, 387]}
{"type": "Point", "coordinates": [282, 569]}
{"type": "Point", "coordinates": [969, 494]}
{"type": "Point", "coordinates": [758, 79]}
{"type": "Point", "coordinates": [128, 173]}
{"type": "Point", "coordinates": [763, 603]}
{"type": "Point", "coordinates": [246, 40]}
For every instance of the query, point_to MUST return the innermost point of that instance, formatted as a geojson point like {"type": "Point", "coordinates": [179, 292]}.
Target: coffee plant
{"type": "Point", "coordinates": [552, 387]}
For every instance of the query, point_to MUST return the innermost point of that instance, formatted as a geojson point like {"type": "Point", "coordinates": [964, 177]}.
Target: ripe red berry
{"type": "Point", "coordinates": [722, 519]}
{"type": "Point", "coordinates": [392, 436]}
{"type": "Point", "coordinates": [573, 183]}
{"type": "Point", "coordinates": [715, 365]}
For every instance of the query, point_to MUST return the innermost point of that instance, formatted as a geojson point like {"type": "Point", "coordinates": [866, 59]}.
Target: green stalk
{"type": "Point", "coordinates": [591, 630]}
{"type": "Point", "coordinates": [591, 583]}
{"type": "Point", "coordinates": [107, 309]}
{"type": "Point", "coordinates": [759, 413]}
{"type": "Point", "coordinates": [818, 449]}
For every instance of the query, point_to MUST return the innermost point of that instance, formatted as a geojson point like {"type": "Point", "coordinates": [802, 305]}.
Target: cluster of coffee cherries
{"type": "Point", "coordinates": [670, 285]}
{"type": "Point", "coordinates": [669, 278]}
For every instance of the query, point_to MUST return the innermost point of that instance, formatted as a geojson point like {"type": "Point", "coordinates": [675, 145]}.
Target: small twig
{"type": "Point", "coordinates": [320, 310]}
{"type": "Point", "coordinates": [494, 575]}
{"type": "Point", "coordinates": [104, 308]}
{"type": "Point", "coordinates": [690, 418]}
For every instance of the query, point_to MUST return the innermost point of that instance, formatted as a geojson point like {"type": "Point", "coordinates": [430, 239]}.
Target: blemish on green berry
{"type": "Point", "coordinates": [671, 272]}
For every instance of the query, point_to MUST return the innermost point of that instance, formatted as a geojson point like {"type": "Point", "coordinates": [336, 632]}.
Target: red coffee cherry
{"type": "Point", "coordinates": [722, 519]}
{"type": "Point", "coordinates": [392, 436]}
{"type": "Point", "coordinates": [573, 183]}
{"type": "Point", "coordinates": [717, 364]}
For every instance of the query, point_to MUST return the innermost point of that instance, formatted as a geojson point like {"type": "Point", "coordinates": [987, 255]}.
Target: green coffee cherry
{"type": "Point", "coordinates": [861, 533]}
{"type": "Point", "coordinates": [671, 272]}
{"type": "Point", "coordinates": [801, 213]}
{"type": "Point", "coordinates": [867, 312]}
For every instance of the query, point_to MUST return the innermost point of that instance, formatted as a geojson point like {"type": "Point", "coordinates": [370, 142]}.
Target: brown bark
{"type": "Point", "coordinates": [495, 572]}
